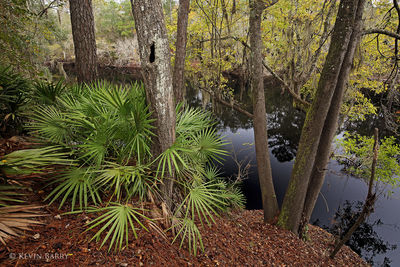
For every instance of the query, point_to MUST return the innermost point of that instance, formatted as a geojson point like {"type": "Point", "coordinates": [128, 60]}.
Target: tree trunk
{"type": "Point", "coordinates": [82, 22]}
{"type": "Point", "coordinates": [270, 204]}
{"type": "Point", "coordinates": [225, 14]}
{"type": "Point", "coordinates": [155, 61]}
{"type": "Point", "coordinates": [330, 126]}
{"type": "Point", "coordinates": [180, 54]}
{"type": "Point", "coordinates": [293, 203]}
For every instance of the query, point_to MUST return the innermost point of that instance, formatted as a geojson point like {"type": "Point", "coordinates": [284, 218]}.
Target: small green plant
{"type": "Point", "coordinates": [305, 234]}
{"type": "Point", "coordinates": [117, 219]}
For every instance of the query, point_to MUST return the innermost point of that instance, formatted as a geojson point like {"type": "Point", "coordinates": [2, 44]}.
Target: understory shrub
{"type": "Point", "coordinates": [14, 95]}
{"type": "Point", "coordinates": [107, 129]}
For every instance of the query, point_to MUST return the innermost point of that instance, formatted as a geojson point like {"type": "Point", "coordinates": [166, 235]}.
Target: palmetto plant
{"type": "Point", "coordinates": [45, 92]}
{"type": "Point", "coordinates": [14, 91]}
{"type": "Point", "coordinates": [108, 131]}
{"type": "Point", "coordinates": [99, 122]}
{"type": "Point", "coordinates": [119, 218]}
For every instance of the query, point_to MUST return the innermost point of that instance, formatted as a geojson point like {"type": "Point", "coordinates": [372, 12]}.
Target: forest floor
{"type": "Point", "coordinates": [239, 238]}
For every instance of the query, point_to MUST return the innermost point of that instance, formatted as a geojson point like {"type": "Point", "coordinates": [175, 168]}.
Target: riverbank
{"type": "Point", "coordinates": [239, 238]}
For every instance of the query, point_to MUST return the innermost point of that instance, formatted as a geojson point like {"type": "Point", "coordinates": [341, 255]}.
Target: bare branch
{"type": "Point", "coordinates": [276, 76]}
{"type": "Point", "coordinates": [231, 105]}
{"type": "Point", "coordinates": [384, 32]}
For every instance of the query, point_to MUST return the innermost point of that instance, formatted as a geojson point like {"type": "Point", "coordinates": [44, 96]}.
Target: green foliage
{"type": "Point", "coordinates": [99, 122]}
{"type": "Point", "coordinates": [14, 92]}
{"type": "Point", "coordinates": [204, 199]}
{"type": "Point", "coordinates": [117, 219]}
{"type": "Point", "coordinates": [107, 129]}
{"type": "Point", "coordinates": [78, 183]}
{"type": "Point", "coordinates": [357, 151]}
{"type": "Point", "coordinates": [8, 194]}
{"type": "Point", "coordinates": [114, 19]}
{"type": "Point", "coordinates": [134, 180]}
{"type": "Point", "coordinates": [26, 32]}
{"type": "Point", "coordinates": [46, 93]}
{"type": "Point", "coordinates": [188, 230]}
{"type": "Point", "coordinates": [29, 161]}
{"type": "Point", "coordinates": [15, 219]}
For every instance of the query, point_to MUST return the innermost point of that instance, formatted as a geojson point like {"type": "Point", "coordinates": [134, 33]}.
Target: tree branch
{"type": "Point", "coordinates": [384, 32]}
{"type": "Point", "coordinates": [276, 76]}
{"type": "Point", "coordinates": [231, 105]}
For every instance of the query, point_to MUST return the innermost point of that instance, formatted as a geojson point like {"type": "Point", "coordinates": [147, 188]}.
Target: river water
{"type": "Point", "coordinates": [377, 240]}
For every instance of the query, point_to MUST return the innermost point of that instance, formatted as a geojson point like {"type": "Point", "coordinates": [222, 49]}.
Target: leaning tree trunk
{"type": "Point", "coordinates": [270, 204]}
{"type": "Point", "coordinates": [155, 60]}
{"type": "Point", "coordinates": [330, 126]}
{"type": "Point", "coordinates": [180, 54]}
{"type": "Point", "coordinates": [293, 203]}
{"type": "Point", "coordinates": [82, 22]}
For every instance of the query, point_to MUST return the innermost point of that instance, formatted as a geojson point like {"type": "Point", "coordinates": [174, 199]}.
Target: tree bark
{"type": "Point", "coordinates": [270, 204]}
{"type": "Point", "coordinates": [330, 126]}
{"type": "Point", "coordinates": [82, 22]}
{"type": "Point", "coordinates": [155, 61]}
{"type": "Point", "coordinates": [180, 54]}
{"type": "Point", "coordinates": [293, 203]}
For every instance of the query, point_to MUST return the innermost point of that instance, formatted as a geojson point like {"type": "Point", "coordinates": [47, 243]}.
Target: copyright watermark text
{"type": "Point", "coordinates": [39, 256]}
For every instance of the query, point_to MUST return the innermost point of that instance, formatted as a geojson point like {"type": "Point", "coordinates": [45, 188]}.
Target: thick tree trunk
{"type": "Point", "coordinates": [180, 54]}
{"type": "Point", "coordinates": [293, 203]}
{"type": "Point", "coordinates": [270, 204]}
{"type": "Point", "coordinates": [155, 60]}
{"type": "Point", "coordinates": [82, 22]}
{"type": "Point", "coordinates": [330, 126]}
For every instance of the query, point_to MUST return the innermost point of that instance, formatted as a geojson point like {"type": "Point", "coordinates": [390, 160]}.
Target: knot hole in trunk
{"type": "Point", "coordinates": [152, 57]}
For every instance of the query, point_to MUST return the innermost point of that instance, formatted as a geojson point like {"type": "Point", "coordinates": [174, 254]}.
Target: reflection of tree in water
{"type": "Point", "coordinates": [364, 127]}
{"type": "Point", "coordinates": [284, 121]}
{"type": "Point", "coordinates": [365, 241]}
{"type": "Point", "coordinates": [284, 126]}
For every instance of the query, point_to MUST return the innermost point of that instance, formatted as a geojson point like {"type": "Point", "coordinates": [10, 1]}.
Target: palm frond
{"type": "Point", "coordinates": [28, 161]}
{"type": "Point", "coordinates": [8, 193]}
{"type": "Point", "coordinates": [203, 201]}
{"type": "Point", "coordinates": [15, 219]}
{"type": "Point", "coordinates": [51, 124]}
{"type": "Point", "coordinates": [209, 146]}
{"type": "Point", "coordinates": [134, 179]}
{"type": "Point", "coordinates": [170, 160]}
{"type": "Point", "coordinates": [190, 121]}
{"type": "Point", "coordinates": [117, 219]}
{"type": "Point", "coordinates": [47, 93]}
{"type": "Point", "coordinates": [187, 230]}
{"type": "Point", "coordinates": [77, 183]}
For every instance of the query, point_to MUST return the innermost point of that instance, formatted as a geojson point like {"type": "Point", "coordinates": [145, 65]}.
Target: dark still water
{"type": "Point", "coordinates": [377, 240]}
